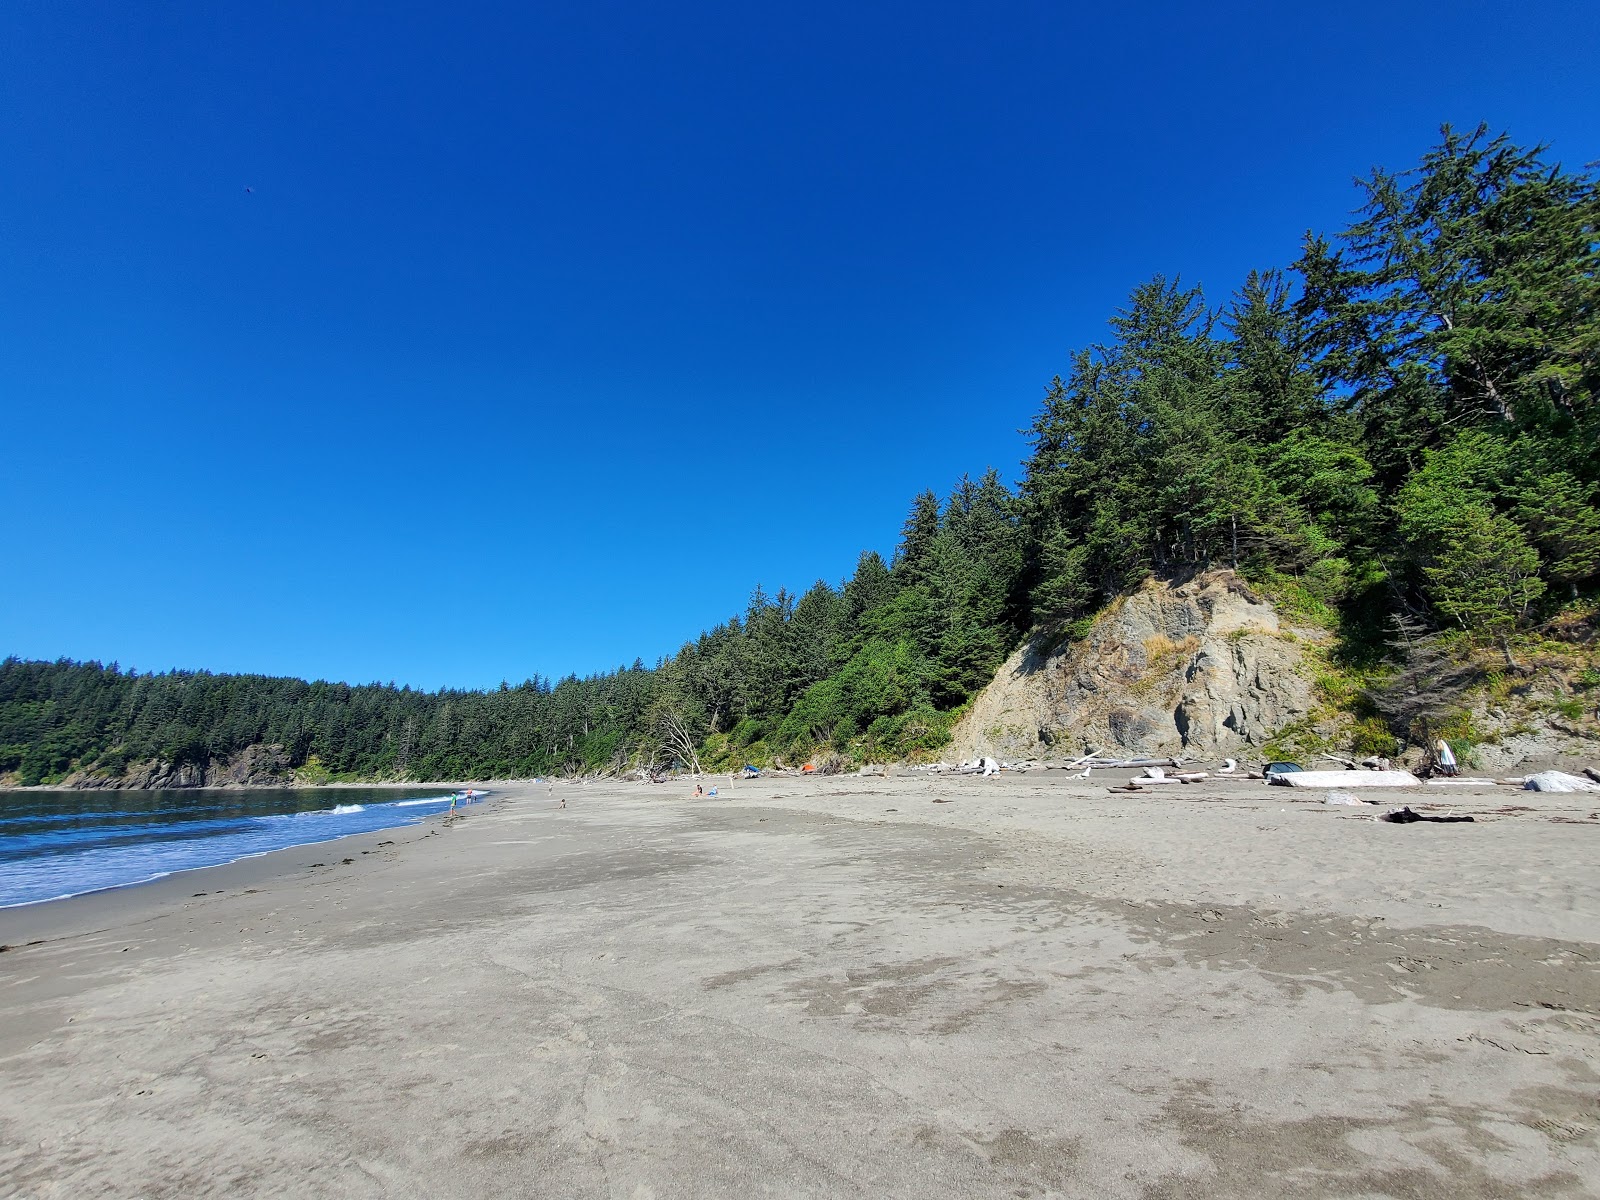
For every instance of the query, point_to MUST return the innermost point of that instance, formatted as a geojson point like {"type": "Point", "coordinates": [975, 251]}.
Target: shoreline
{"type": "Point", "coordinates": [182, 874]}
{"type": "Point", "coordinates": [150, 899]}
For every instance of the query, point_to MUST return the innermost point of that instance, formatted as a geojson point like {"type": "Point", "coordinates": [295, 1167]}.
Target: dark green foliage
{"type": "Point", "coordinates": [1467, 295]}
{"type": "Point", "coordinates": [1136, 466]}
{"type": "Point", "coordinates": [1561, 519]}
{"type": "Point", "coordinates": [1421, 414]}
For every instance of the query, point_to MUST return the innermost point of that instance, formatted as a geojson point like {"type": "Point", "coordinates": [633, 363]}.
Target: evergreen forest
{"type": "Point", "coordinates": [1395, 436]}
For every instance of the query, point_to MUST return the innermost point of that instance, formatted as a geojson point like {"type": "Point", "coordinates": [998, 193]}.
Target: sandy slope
{"type": "Point", "coordinates": [824, 988]}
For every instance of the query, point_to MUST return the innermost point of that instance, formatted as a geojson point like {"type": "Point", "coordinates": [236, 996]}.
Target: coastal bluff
{"type": "Point", "coordinates": [254, 766]}
{"type": "Point", "coordinates": [1200, 667]}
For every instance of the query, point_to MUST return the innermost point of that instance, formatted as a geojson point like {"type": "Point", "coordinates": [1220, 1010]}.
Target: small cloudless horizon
{"type": "Point", "coordinates": [453, 344]}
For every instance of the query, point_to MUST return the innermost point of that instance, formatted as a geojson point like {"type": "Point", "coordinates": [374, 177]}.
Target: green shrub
{"type": "Point", "coordinates": [312, 772]}
{"type": "Point", "coordinates": [1372, 737]}
{"type": "Point", "coordinates": [1299, 740]}
{"type": "Point", "coordinates": [1336, 689]}
{"type": "Point", "coordinates": [1296, 600]}
{"type": "Point", "coordinates": [1569, 707]}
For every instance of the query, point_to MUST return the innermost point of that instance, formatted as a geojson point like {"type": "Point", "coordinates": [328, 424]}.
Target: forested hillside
{"type": "Point", "coordinates": [1394, 436]}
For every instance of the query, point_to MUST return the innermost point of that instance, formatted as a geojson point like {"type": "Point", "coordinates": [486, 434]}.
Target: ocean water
{"type": "Point", "coordinates": [59, 844]}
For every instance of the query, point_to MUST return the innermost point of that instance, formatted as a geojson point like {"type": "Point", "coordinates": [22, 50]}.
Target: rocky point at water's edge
{"type": "Point", "coordinates": [254, 766]}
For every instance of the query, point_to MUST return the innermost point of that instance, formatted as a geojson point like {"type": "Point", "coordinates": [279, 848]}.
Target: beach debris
{"type": "Point", "coordinates": [982, 765]}
{"type": "Point", "coordinates": [1345, 798]}
{"type": "Point", "coordinates": [1096, 761]}
{"type": "Point", "coordinates": [1559, 781]}
{"type": "Point", "coordinates": [1592, 774]}
{"type": "Point", "coordinates": [1156, 775]}
{"type": "Point", "coordinates": [1345, 779]}
{"type": "Point", "coordinates": [1274, 769]}
{"type": "Point", "coordinates": [1460, 781]}
{"type": "Point", "coordinates": [1404, 816]}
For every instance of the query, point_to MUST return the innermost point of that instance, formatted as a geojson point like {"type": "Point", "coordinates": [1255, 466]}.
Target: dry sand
{"type": "Point", "coordinates": [832, 988]}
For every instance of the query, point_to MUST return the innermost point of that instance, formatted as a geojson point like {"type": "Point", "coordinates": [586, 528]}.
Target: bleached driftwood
{"type": "Point", "coordinates": [1344, 779]}
{"type": "Point", "coordinates": [1155, 775]}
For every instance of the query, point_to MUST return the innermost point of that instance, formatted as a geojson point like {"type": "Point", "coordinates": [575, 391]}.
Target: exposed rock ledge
{"type": "Point", "coordinates": [254, 766]}
{"type": "Point", "coordinates": [1199, 668]}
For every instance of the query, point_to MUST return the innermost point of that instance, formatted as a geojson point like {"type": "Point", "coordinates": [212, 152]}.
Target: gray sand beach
{"type": "Point", "coordinates": [826, 987]}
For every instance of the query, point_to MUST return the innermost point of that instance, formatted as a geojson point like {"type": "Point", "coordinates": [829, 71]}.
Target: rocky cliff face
{"type": "Point", "coordinates": [1201, 668]}
{"type": "Point", "coordinates": [254, 766]}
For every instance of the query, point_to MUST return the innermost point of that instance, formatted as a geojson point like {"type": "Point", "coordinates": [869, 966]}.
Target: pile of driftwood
{"type": "Point", "coordinates": [1155, 769]}
{"type": "Point", "coordinates": [1155, 775]}
{"type": "Point", "coordinates": [977, 766]}
{"type": "Point", "coordinates": [1084, 766]}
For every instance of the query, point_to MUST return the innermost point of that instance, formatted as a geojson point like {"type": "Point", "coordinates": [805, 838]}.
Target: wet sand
{"type": "Point", "coordinates": [828, 987]}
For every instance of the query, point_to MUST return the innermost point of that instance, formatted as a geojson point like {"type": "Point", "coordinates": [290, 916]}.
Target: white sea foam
{"type": "Point", "coordinates": [347, 808]}
{"type": "Point", "coordinates": [430, 800]}
{"type": "Point", "coordinates": [88, 891]}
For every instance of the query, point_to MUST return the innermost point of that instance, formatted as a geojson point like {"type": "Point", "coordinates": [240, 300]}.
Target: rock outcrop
{"type": "Point", "coordinates": [254, 766]}
{"type": "Point", "coordinates": [1199, 668]}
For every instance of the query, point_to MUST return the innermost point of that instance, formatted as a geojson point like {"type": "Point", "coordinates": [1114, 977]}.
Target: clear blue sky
{"type": "Point", "coordinates": [549, 330]}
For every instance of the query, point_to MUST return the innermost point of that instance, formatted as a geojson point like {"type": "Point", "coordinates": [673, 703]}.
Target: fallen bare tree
{"type": "Point", "coordinates": [676, 738]}
{"type": "Point", "coordinates": [1428, 686]}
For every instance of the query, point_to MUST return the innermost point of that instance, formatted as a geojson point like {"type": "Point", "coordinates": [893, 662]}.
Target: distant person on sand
{"type": "Point", "coordinates": [1447, 759]}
